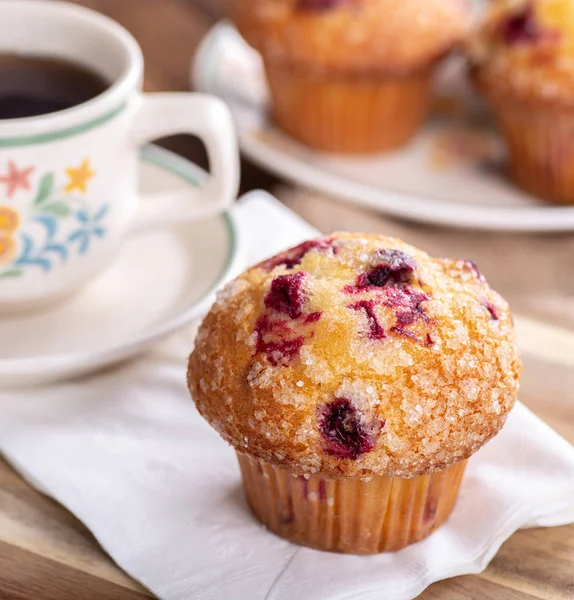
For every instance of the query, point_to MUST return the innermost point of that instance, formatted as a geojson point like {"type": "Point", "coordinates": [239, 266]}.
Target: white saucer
{"type": "Point", "coordinates": [160, 282]}
{"type": "Point", "coordinates": [440, 178]}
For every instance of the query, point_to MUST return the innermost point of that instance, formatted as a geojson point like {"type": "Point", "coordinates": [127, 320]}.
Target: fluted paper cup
{"type": "Point", "coordinates": [353, 516]}
{"type": "Point", "coordinates": [541, 149]}
{"type": "Point", "coordinates": [348, 114]}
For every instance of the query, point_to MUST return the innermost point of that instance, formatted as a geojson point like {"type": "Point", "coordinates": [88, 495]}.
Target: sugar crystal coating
{"type": "Point", "coordinates": [403, 376]}
{"type": "Point", "coordinates": [523, 51]}
{"type": "Point", "coordinates": [353, 36]}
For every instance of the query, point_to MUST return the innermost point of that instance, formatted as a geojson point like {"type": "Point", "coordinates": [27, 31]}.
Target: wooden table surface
{"type": "Point", "coordinates": [46, 554]}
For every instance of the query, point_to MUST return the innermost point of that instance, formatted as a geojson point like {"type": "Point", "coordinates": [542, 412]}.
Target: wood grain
{"type": "Point", "coordinates": [538, 562]}
{"type": "Point", "coordinates": [469, 588]}
{"type": "Point", "coordinates": [29, 575]}
{"type": "Point", "coordinates": [32, 522]}
{"type": "Point", "coordinates": [47, 554]}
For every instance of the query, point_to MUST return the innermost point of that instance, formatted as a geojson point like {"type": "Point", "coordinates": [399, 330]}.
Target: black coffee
{"type": "Point", "coordinates": [31, 86]}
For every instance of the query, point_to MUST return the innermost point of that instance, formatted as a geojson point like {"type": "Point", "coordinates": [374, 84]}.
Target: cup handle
{"type": "Point", "coordinates": [163, 114]}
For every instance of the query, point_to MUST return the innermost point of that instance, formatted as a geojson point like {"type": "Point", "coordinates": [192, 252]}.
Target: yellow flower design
{"type": "Point", "coordinates": [7, 248]}
{"type": "Point", "coordinates": [9, 223]}
{"type": "Point", "coordinates": [9, 220]}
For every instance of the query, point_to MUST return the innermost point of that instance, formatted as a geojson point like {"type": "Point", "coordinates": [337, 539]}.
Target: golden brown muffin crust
{"type": "Point", "coordinates": [523, 52]}
{"type": "Point", "coordinates": [357, 355]}
{"type": "Point", "coordinates": [352, 36]}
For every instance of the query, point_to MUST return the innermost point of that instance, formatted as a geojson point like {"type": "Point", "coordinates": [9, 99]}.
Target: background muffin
{"type": "Point", "coordinates": [350, 75]}
{"type": "Point", "coordinates": [351, 358]}
{"type": "Point", "coordinates": [522, 60]}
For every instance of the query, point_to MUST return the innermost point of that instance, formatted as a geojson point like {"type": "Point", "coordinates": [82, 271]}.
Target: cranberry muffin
{"type": "Point", "coordinates": [354, 375]}
{"type": "Point", "coordinates": [522, 60]}
{"type": "Point", "coordinates": [351, 76]}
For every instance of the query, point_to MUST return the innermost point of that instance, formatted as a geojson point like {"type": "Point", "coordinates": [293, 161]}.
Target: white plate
{"type": "Point", "coordinates": [445, 177]}
{"type": "Point", "coordinates": [160, 282]}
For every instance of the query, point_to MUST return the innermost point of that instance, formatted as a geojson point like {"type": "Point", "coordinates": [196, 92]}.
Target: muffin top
{"type": "Point", "coordinates": [356, 355]}
{"type": "Point", "coordinates": [364, 36]}
{"type": "Point", "coordinates": [524, 51]}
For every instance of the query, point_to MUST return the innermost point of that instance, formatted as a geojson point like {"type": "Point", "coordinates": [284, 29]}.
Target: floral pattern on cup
{"type": "Point", "coordinates": [15, 178]}
{"type": "Point", "coordinates": [41, 243]}
{"type": "Point", "coordinates": [9, 223]}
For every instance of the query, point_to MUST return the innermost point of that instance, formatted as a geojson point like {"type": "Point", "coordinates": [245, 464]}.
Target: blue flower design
{"type": "Point", "coordinates": [42, 257]}
{"type": "Point", "coordinates": [90, 227]}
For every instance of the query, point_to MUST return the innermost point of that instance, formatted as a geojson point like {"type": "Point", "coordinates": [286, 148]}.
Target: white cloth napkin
{"type": "Point", "coordinates": [128, 454]}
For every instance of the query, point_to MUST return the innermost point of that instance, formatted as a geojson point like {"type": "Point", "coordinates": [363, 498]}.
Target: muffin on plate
{"type": "Point", "coordinates": [354, 375]}
{"type": "Point", "coordinates": [522, 60]}
{"type": "Point", "coordinates": [351, 76]}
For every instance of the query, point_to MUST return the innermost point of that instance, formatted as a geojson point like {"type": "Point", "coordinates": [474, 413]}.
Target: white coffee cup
{"type": "Point", "coordinates": [69, 179]}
